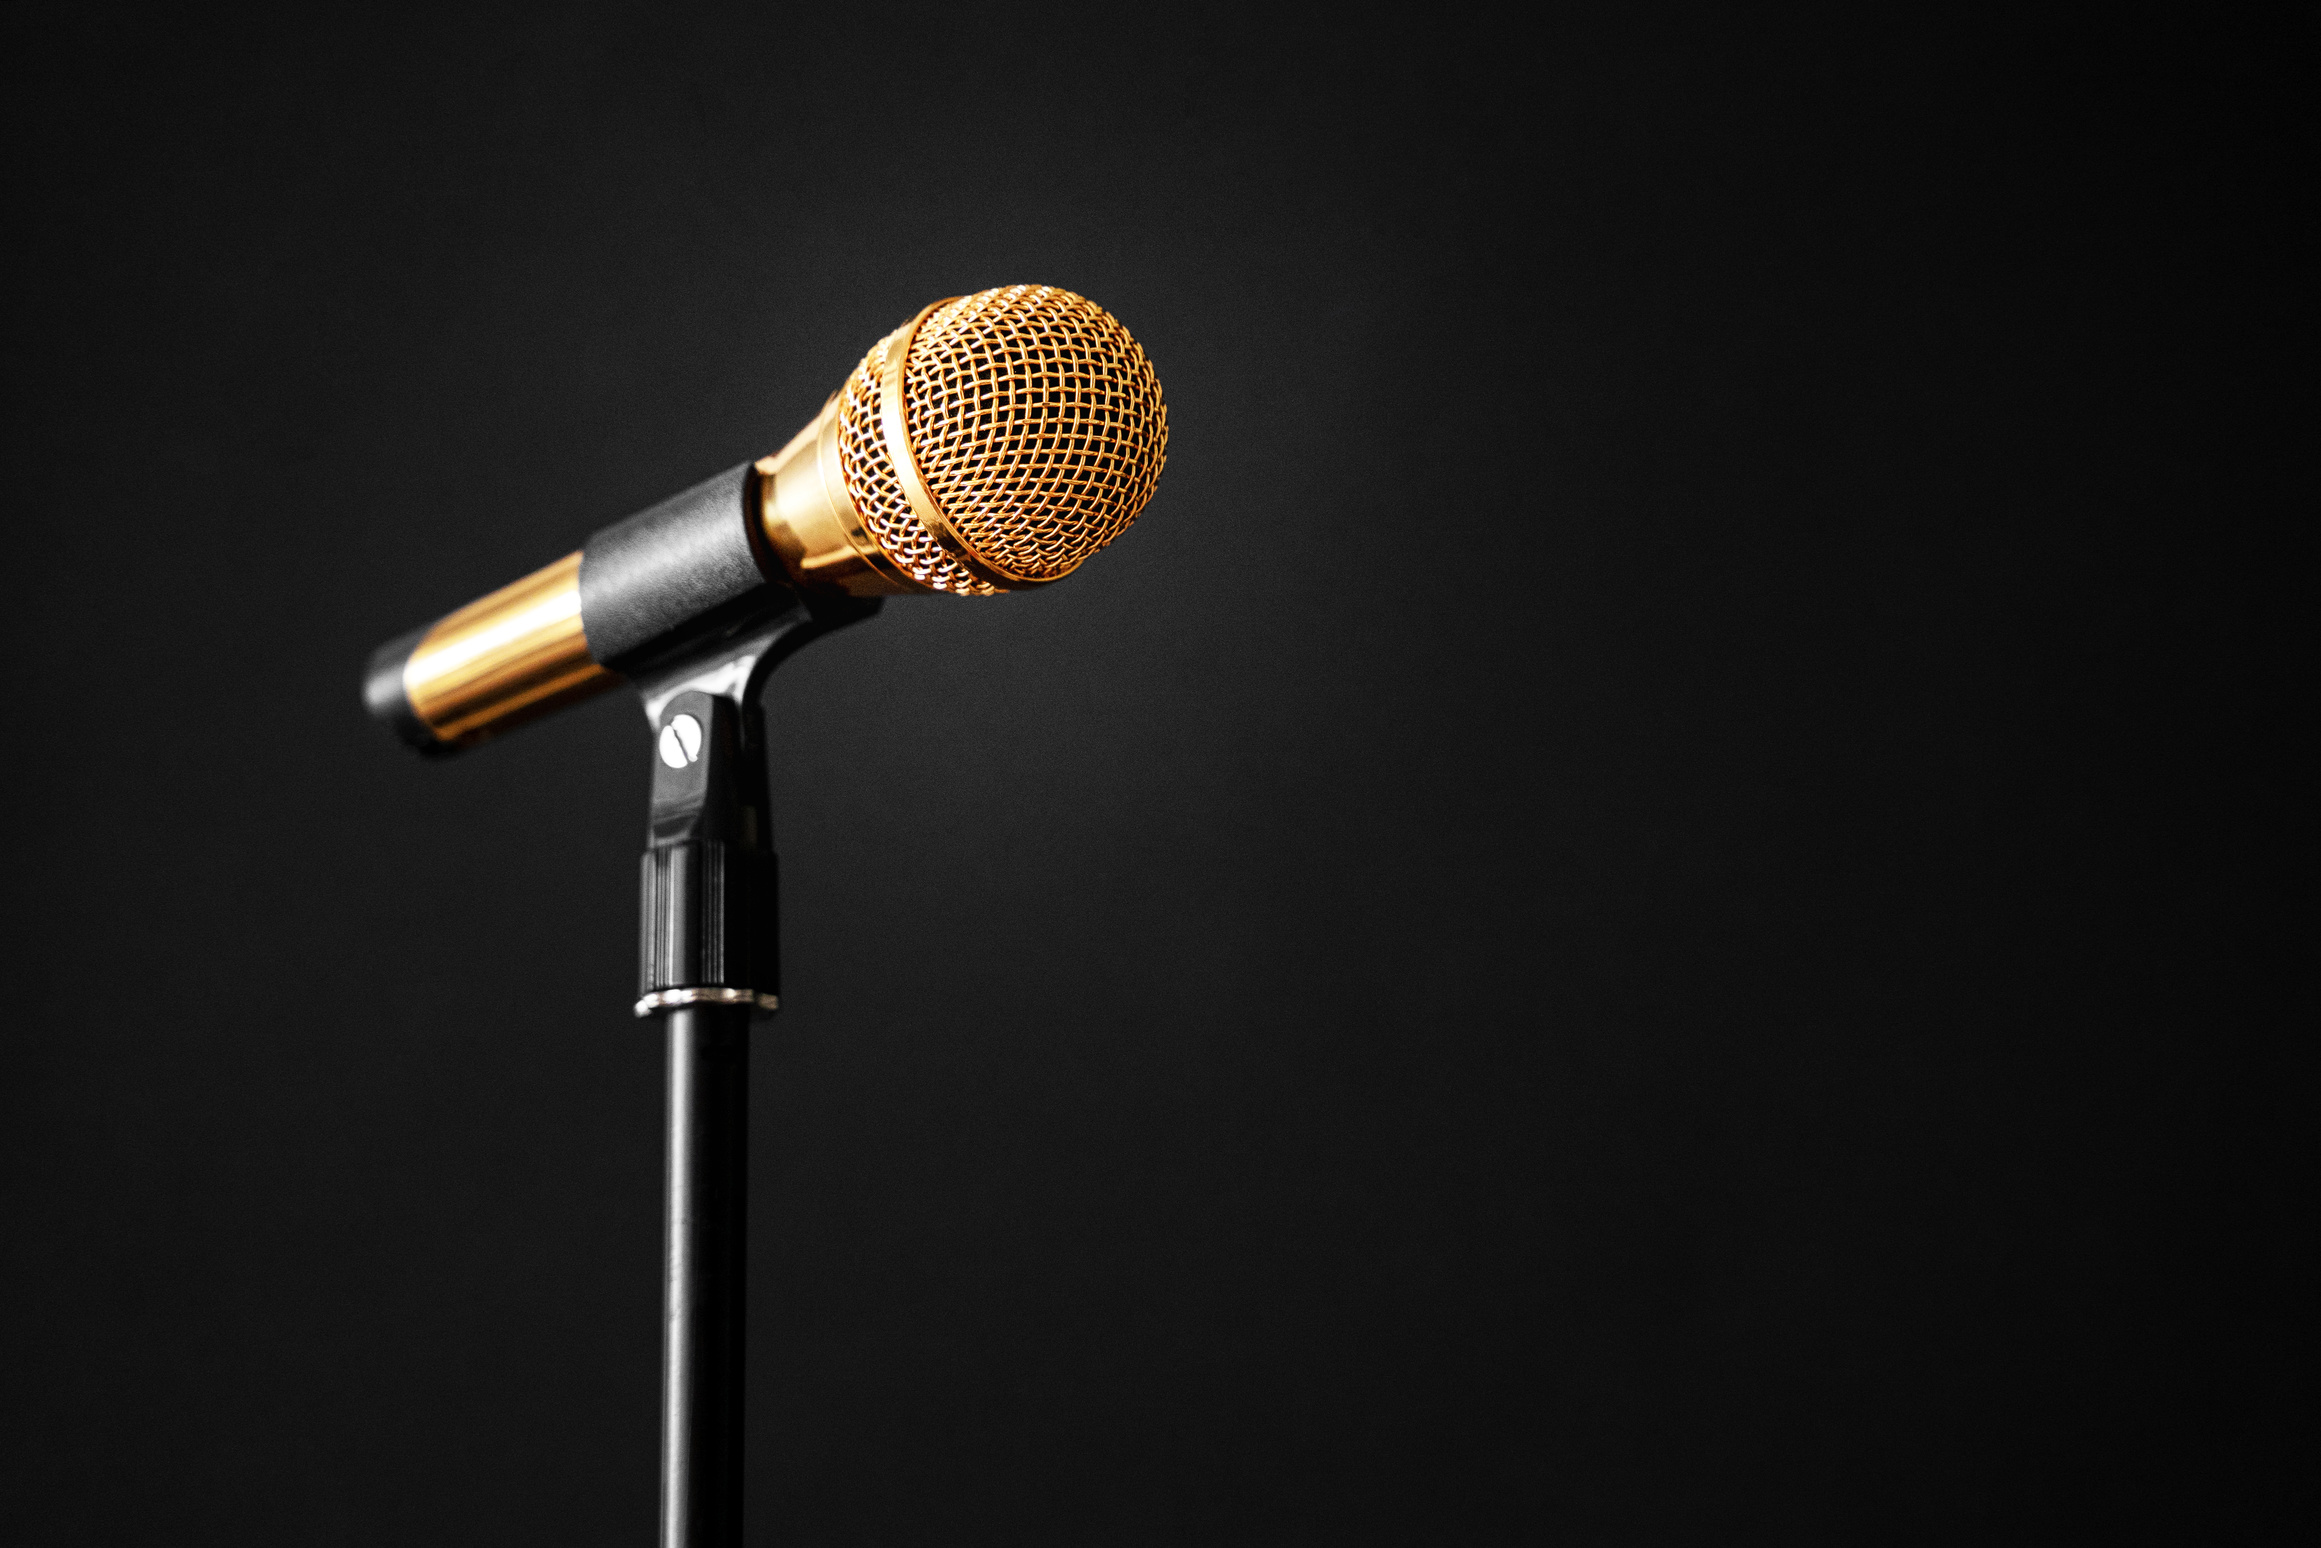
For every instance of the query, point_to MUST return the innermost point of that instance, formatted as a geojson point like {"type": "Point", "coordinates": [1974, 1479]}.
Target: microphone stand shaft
{"type": "Point", "coordinates": [702, 1349]}
{"type": "Point", "coordinates": [708, 956]}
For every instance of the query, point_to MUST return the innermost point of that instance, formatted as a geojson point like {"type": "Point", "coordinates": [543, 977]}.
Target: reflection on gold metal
{"type": "Point", "coordinates": [811, 523]}
{"type": "Point", "coordinates": [998, 440]}
{"type": "Point", "coordinates": [517, 653]}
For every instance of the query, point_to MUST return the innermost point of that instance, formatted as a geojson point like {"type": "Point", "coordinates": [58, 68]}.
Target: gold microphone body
{"type": "Point", "coordinates": [992, 443]}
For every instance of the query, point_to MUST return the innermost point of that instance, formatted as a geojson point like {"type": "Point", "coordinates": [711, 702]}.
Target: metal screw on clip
{"type": "Point", "coordinates": [680, 741]}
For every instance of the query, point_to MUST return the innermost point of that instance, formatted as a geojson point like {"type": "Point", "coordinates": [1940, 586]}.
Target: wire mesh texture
{"type": "Point", "coordinates": [1037, 426]}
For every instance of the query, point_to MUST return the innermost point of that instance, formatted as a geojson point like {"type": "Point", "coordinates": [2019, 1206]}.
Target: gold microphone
{"type": "Point", "coordinates": [992, 443]}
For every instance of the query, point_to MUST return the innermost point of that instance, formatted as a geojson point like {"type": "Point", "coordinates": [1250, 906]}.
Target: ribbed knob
{"type": "Point", "coordinates": [707, 919]}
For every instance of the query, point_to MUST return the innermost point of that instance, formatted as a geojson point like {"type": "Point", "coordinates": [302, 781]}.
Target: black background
{"type": "Point", "coordinates": [1608, 925]}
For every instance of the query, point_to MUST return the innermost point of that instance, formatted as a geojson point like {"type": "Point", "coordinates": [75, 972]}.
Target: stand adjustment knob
{"type": "Point", "coordinates": [706, 923]}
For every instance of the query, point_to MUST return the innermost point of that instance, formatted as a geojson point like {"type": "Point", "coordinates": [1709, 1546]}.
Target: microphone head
{"type": "Point", "coordinates": [997, 440]}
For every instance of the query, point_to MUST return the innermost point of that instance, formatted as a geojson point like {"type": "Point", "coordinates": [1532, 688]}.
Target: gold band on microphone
{"type": "Point", "coordinates": [810, 521]}
{"type": "Point", "coordinates": [895, 428]}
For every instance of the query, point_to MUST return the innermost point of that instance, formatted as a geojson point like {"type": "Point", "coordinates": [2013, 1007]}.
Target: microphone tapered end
{"type": "Point", "coordinates": [385, 698]}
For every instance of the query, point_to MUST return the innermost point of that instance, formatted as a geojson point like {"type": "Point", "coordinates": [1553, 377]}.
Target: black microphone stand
{"type": "Point", "coordinates": [709, 961]}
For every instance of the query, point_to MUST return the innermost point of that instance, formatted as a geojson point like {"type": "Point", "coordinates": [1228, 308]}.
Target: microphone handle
{"type": "Point", "coordinates": [639, 590]}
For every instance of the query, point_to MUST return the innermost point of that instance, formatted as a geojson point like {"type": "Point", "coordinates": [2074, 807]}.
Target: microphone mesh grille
{"type": "Point", "coordinates": [1037, 425]}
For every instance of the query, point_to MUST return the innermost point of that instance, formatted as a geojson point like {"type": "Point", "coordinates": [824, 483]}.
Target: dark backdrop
{"type": "Point", "coordinates": [1596, 930]}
